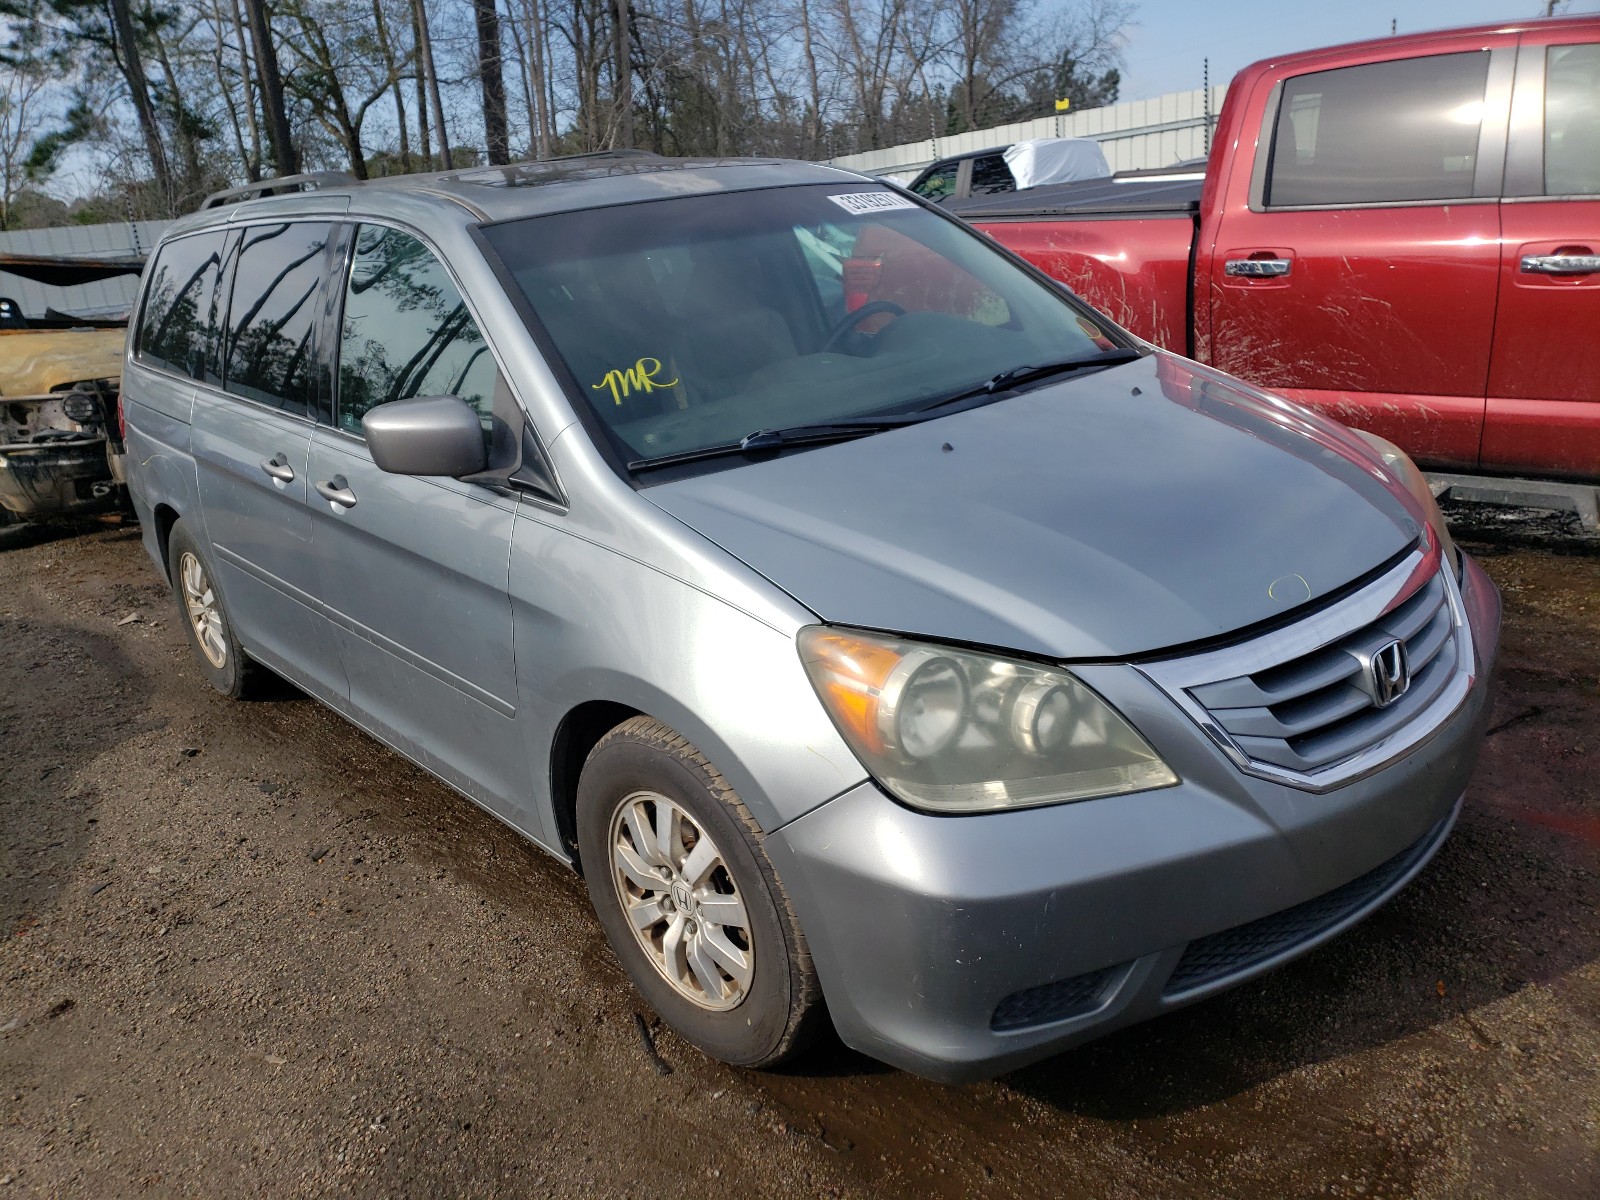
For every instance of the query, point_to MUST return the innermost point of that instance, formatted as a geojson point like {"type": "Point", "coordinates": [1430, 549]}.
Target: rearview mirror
{"type": "Point", "coordinates": [427, 435]}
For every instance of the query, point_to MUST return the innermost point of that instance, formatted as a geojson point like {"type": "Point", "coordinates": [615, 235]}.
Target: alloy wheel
{"type": "Point", "coordinates": [200, 601]}
{"type": "Point", "coordinates": [681, 901]}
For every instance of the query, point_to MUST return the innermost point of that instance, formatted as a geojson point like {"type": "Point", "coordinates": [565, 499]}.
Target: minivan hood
{"type": "Point", "coordinates": [1137, 508]}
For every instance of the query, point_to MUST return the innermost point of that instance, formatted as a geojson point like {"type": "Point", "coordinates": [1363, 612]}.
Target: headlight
{"type": "Point", "coordinates": [953, 731]}
{"type": "Point", "coordinates": [1413, 480]}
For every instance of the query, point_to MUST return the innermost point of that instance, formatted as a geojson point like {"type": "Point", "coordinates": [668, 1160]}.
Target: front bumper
{"type": "Point", "coordinates": [50, 479]}
{"type": "Point", "coordinates": [961, 947]}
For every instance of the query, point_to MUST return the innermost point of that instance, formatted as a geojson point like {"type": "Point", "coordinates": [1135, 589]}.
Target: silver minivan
{"type": "Point", "coordinates": [886, 636]}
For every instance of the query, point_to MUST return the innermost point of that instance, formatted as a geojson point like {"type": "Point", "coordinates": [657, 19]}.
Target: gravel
{"type": "Point", "coordinates": [246, 951]}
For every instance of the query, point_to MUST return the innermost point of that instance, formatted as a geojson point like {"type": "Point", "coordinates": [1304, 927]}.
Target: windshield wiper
{"type": "Point", "coordinates": [821, 432]}
{"type": "Point", "coordinates": [1030, 372]}
{"type": "Point", "coordinates": [759, 440]}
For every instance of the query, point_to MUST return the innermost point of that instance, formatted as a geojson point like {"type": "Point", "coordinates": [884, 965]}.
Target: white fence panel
{"type": "Point", "coordinates": [1134, 135]}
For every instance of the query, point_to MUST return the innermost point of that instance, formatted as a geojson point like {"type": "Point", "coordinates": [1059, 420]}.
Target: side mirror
{"type": "Point", "coordinates": [427, 435]}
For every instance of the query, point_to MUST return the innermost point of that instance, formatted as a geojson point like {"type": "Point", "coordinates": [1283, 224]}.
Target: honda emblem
{"type": "Point", "coordinates": [1388, 674]}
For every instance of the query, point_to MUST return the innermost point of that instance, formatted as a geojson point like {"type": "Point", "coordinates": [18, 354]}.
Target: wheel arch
{"type": "Point", "coordinates": [164, 517]}
{"type": "Point", "coordinates": [575, 737]}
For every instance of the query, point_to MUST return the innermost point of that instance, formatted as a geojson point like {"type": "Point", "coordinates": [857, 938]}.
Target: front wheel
{"type": "Point", "coordinates": [689, 900]}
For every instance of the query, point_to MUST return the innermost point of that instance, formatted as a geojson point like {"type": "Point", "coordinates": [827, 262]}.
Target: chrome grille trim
{"type": "Point", "coordinates": [1285, 706]}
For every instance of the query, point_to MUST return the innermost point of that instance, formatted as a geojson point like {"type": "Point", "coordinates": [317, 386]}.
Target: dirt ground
{"type": "Point", "coordinates": [246, 951]}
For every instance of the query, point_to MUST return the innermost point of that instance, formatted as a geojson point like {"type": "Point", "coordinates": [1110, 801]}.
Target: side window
{"type": "Point", "coordinates": [990, 174]}
{"type": "Point", "coordinates": [1379, 133]}
{"type": "Point", "coordinates": [268, 353]}
{"type": "Point", "coordinates": [406, 331]}
{"type": "Point", "coordinates": [178, 325]}
{"type": "Point", "coordinates": [939, 185]}
{"type": "Point", "coordinates": [1572, 121]}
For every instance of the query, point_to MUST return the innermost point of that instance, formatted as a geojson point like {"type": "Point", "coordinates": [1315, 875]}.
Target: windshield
{"type": "Point", "coordinates": [693, 322]}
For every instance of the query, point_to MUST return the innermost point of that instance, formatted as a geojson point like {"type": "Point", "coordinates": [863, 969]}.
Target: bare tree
{"type": "Point", "coordinates": [125, 45]}
{"type": "Point", "coordinates": [23, 90]}
{"type": "Point", "coordinates": [271, 84]}
{"type": "Point", "coordinates": [429, 78]}
{"type": "Point", "coordinates": [202, 91]}
{"type": "Point", "coordinates": [386, 48]}
{"type": "Point", "coordinates": [491, 76]}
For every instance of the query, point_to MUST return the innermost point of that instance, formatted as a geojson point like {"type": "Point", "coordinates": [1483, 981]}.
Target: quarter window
{"type": "Point", "coordinates": [272, 318]}
{"type": "Point", "coordinates": [1379, 133]}
{"type": "Point", "coordinates": [177, 329]}
{"type": "Point", "coordinates": [407, 331]}
{"type": "Point", "coordinates": [1572, 121]}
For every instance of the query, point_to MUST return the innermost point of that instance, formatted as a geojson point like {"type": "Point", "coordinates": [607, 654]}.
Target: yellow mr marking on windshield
{"type": "Point", "coordinates": [643, 376]}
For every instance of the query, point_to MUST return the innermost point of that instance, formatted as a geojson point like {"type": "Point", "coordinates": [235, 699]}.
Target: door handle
{"type": "Point", "coordinates": [278, 467]}
{"type": "Point", "coordinates": [1561, 264]}
{"type": "Point", "coordinates": [337, 490]}
{"type": "Point", "coordinates": [1257, 268]}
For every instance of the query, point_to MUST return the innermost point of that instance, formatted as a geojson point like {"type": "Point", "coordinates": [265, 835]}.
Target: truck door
{"type": "Point", "coordinates": [1544, 375]}
{"type": "Point", "coordinates": [1354, 268]}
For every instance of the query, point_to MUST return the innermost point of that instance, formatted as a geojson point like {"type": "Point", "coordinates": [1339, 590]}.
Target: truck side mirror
{"type": "Point", "coordinates": [426, 435]}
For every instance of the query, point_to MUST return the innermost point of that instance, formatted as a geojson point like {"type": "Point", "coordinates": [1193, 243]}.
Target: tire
{"type": "Point", "coordinates": [223, 661]}
{"type": "Point", "coordinates": [761, 1013]}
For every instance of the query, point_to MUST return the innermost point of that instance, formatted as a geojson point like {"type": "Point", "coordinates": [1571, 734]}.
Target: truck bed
{"type": "Point", "coordinates": [1093, 198]}
{"type": "Point", "coordinates": [1124, 246]}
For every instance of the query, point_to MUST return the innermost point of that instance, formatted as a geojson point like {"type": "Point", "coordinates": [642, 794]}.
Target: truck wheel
{"type": "Point", "coordinates": [227, 668]}
{"type": "Point", "coordinates": [689, 900]}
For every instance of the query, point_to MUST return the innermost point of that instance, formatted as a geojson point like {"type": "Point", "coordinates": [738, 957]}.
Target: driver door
{"type": "Point", "coordinates": [413, 570]}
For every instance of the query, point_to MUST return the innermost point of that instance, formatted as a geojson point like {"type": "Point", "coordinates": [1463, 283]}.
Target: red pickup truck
{"type": "Point", "coordinates": [1402, 233]}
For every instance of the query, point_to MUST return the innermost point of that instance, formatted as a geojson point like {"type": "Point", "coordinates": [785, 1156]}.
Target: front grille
{"type": "Point", "coordinates": [1310, 712]}
{"type": "Point", "coordinates": [1296, 704]}
{"type": "Point", "coordinates": [1236, 950]}
{"type": "Point", "coordinates": [1052, 1001]}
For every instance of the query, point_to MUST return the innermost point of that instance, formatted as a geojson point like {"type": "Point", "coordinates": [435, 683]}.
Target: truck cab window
{"type": "Point", "coordinates": [940, 185]}
{"type": "Point", "coordinates": [1379, 133]}
{"type": "Point", "coordinates": [1572, 121]}
{"type": "Point", "coordinates": [990, 174]}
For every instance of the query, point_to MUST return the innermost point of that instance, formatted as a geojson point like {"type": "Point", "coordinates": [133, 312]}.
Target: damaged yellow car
{"type": "Point", "coordinates": [60, 444]}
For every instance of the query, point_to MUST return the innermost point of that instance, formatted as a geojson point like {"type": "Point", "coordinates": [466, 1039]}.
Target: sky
{"type": "Point", "coordinates": [1171, 38]}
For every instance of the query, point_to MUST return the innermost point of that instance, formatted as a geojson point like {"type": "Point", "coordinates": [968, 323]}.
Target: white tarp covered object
{"type": "Point", "coordinates": [1056, 160]}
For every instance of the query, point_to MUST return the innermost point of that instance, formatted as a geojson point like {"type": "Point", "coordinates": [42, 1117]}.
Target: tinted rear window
{"type": "Point", "coordinates": [990, 174]}
{"type": "Point", "coordinates": [272, 318]}
{"type": "Point", "coordinates": [1380, 133]}
{"type": "Point", "coordinates": [177, 328]}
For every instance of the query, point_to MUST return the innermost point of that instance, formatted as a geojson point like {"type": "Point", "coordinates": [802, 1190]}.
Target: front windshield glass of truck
{"type": "Point", "coordinates": [689, 323]}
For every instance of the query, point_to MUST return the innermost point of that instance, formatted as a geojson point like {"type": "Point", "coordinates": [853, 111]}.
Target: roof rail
{"type": "Point", "coordinates": [284, 183]}
{"type": "Point", "coordinates": [594, 165]}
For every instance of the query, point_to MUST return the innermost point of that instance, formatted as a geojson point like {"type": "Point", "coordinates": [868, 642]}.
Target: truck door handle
{"type": "Point", "coordinates": [1257, 268]}
{"type": "Point", "coordinates": [278, 467]}
{"type": "Point", "coordinates": [1561, 264]}
{"type": "Point", "coordinates": [336, 490]}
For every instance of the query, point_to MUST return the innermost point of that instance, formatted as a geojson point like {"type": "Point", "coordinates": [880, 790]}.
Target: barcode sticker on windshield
{"type": "Point", "coordinates": [871, 202]}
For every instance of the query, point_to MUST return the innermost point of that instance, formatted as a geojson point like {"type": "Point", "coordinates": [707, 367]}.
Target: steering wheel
{"type": "Point", "coordinates": [838, 333]}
